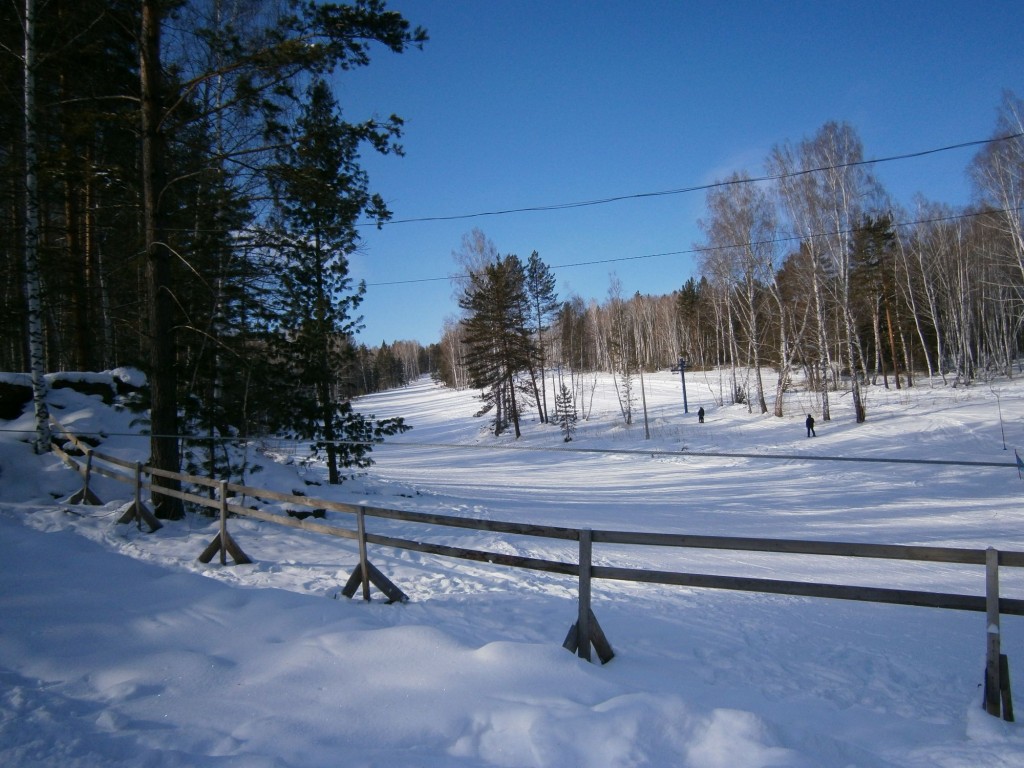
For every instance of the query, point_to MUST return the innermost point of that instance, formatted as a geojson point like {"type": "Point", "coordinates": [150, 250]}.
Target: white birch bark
{"type": "Point", "coordinates": [33, 283]}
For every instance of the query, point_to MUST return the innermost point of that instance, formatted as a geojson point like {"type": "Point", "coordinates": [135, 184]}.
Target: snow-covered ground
{"type": "Point", "coordinates": [118, 648]}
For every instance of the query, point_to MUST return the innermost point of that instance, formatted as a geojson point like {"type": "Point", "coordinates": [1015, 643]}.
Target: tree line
{"type": "Point", "coordinates": [811, 271]}
{"type": "Point", "coordinates": [180, 193]}
{"type": "Point", "coordinates": [181, 190]}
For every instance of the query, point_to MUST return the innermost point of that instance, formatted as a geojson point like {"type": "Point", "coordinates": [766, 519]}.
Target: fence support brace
{"type": "Point", "coordinates": [223, 542]}
{"type": "Point", "coordinates": [998, 698]}
{"type": "Point", "coordinates": [137, 511]}
{"type": "Point", "coordinates": [86, 496]}
{"type": "Point", "coordinates": [586, 631]}
{"type": "Point", "coordinates": [366, 573]}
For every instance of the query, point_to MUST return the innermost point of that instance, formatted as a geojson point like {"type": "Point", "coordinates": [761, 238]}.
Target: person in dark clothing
{"type": "Point", "coordinates": [810, 426]}
{"type": "Point", "coordinates": [700, 415]}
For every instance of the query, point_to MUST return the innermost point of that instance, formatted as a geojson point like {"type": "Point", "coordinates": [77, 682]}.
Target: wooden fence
{"type": "Point", "coordinates": [586, 631]}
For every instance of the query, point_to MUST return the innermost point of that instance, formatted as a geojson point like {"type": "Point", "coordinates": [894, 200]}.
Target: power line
{"type": "Point", "coordinates": [709, 249]}
{"type": "Point", "coordinates": [640, 452]}
{"type": "Point", "coordinates": [695, 188]}
{"type": "Point", "coordinates": [662, 453]}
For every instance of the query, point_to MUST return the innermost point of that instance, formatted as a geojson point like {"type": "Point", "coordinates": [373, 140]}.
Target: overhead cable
{"type": "Point", "coordinates": [695, 188]}
{"type": "Point", "coordinates": [709, 248]}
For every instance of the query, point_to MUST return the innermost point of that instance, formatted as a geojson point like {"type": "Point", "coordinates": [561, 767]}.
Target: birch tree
{"type": "Point", "coordinates": [826, 189]}
{"type": "Point", "coordinates": [33, 282]}
{"type": "Point", "coordinates": [998, 174]}
{"type": "Point", "coordinates": [739, 250]}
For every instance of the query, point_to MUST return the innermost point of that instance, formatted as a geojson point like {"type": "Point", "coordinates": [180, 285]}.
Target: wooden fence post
{"type": "Point", "coordinates": [137, 511]}
{"type": "Point", "coordinates": [366, 573]}
{"type": "Point", "coordinates": [223, 532]}
{"type": "Point", "coordinates": [587, 631]}
{"type": "Point", "coordinates": [998, 697]}
{"type": "Point", "coordinates": [363, 561]}
{"type": "Point", "coordinates": [85, 496]}
{"type": "Point", "coordinates": [223, 542]}
{"type": "Point", "coordinates": [583, 619]}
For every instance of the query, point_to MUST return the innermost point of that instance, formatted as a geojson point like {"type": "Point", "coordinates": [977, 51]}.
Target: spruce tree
{"type": "Point", "coordinates": [565, 412]}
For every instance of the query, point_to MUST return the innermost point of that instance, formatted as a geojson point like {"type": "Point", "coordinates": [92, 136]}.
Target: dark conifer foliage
{"type": "Point", "coordinates": [565, 412]}
{"type": "Point", "coordinates": [543, 300]}
{"type": "Point", "coordinates": [320, 192]}
{"type": "Point", "coordinates": [499, 345]}
{"type": "Point", "coordinates": [161, 124]}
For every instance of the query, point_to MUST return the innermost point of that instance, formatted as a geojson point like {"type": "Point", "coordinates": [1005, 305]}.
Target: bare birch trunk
{"type": "Point", "coordinates": [33, 283]}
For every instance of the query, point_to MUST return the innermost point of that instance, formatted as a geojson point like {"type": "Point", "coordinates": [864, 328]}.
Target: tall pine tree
{"type": "Point", "coordinates": [540, 292]}
{"type": "Point", "coordinates": [497, 336]}
{"type": "Point", "coordinates": [320, 193]}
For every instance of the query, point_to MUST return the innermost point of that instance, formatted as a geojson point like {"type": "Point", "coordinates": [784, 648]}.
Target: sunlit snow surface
{"type": "Point", "coordinates": [118, 648]}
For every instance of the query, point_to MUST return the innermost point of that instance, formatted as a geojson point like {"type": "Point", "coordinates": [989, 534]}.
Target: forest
{"type": "Point", "coordinates": [810, 269]}
{"type": "Point", "coordinates": [182, 191]}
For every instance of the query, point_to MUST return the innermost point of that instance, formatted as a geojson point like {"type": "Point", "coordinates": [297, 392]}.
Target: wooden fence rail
{"type": "Point", "coordinates": [585, 632]}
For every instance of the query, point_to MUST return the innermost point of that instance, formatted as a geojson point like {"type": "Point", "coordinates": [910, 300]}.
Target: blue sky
{"type": "Point", "coordinates": [520, 104]}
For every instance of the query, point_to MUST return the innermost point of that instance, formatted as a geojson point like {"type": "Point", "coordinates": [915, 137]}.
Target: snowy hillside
{"type": "Point", "coordinates": [118, 648]}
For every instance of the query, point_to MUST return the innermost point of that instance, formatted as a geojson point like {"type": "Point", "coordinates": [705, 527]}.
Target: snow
{"type": "Point", "coordinates": [130, 376]}
{"type": "Point", "coordinates": [118, 647]}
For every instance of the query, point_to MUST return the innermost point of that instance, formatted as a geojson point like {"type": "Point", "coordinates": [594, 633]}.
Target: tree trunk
{"type": "Point", "coordinates": [163, 378]}
{"type": "Point", "coordinates": [892, 346]}
{"type": "Point", "coordinates": [513, 407]}
{"type": "Point", "coordinates": [876, 329]}
{"type": "Point", "coordinates": [33, 283]}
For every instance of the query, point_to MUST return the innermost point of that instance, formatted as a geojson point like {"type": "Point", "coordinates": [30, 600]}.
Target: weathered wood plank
{"type": "Point", "coordinates": [584, 613]}
{"type": "Point", "coordinates": [600, 641]}
{"type": "Point", "coordinates": [354, 580]}
{"type": "Point", "coordinates": [572, 642]}
{"type": "Point", "coordinates": [385, 585]}
{"type": "Point", "coordinates": [494, 526]}
{"type": "Point", "coordinates": [115, 461]}
{"type": "Point", "coordinates": [992, 632]}
{"type": "Point", "coordinates": [120, 477]}
{"type": "Point", "coordinates": [495, 558]}
{"type": "Point", "coordinates": [809, 589]}
{"type": "Point", "coordinates": [229, 546]}
{"type": "Point", "coordinates": [85, 496]}
{"type": "Point", "coordinates": [138, 512]}
{"type": "Point", "coordinates": [211, 549]}
{"type": "Point", "coordinates": [1004, 688]}
{"type": "Point", "coordinates": [794, 546]}
{"type": "Point", "coordinates": [292, 522]}
{"type": "Point", "coordinates": [364, 561]}
{"type": "Point", "coordinates": [234, 550]}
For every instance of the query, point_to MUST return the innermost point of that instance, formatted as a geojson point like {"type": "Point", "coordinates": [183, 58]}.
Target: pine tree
{"type": "Point", "coordinates": [320, 193]}
{"type": "Point", "coordinates": [540, 292]}
{"type": "Point", "coordinates": [497, 337]}
{"type": "Point", "coordinates": [259, 67]}
{"type": "Point", "coordinates": [565, 412]}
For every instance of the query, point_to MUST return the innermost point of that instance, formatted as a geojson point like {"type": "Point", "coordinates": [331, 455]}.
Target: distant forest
{"type": "Point", "coordinates": [810, 270]}
{"type": "Point", "coordinates": [182, 191]}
